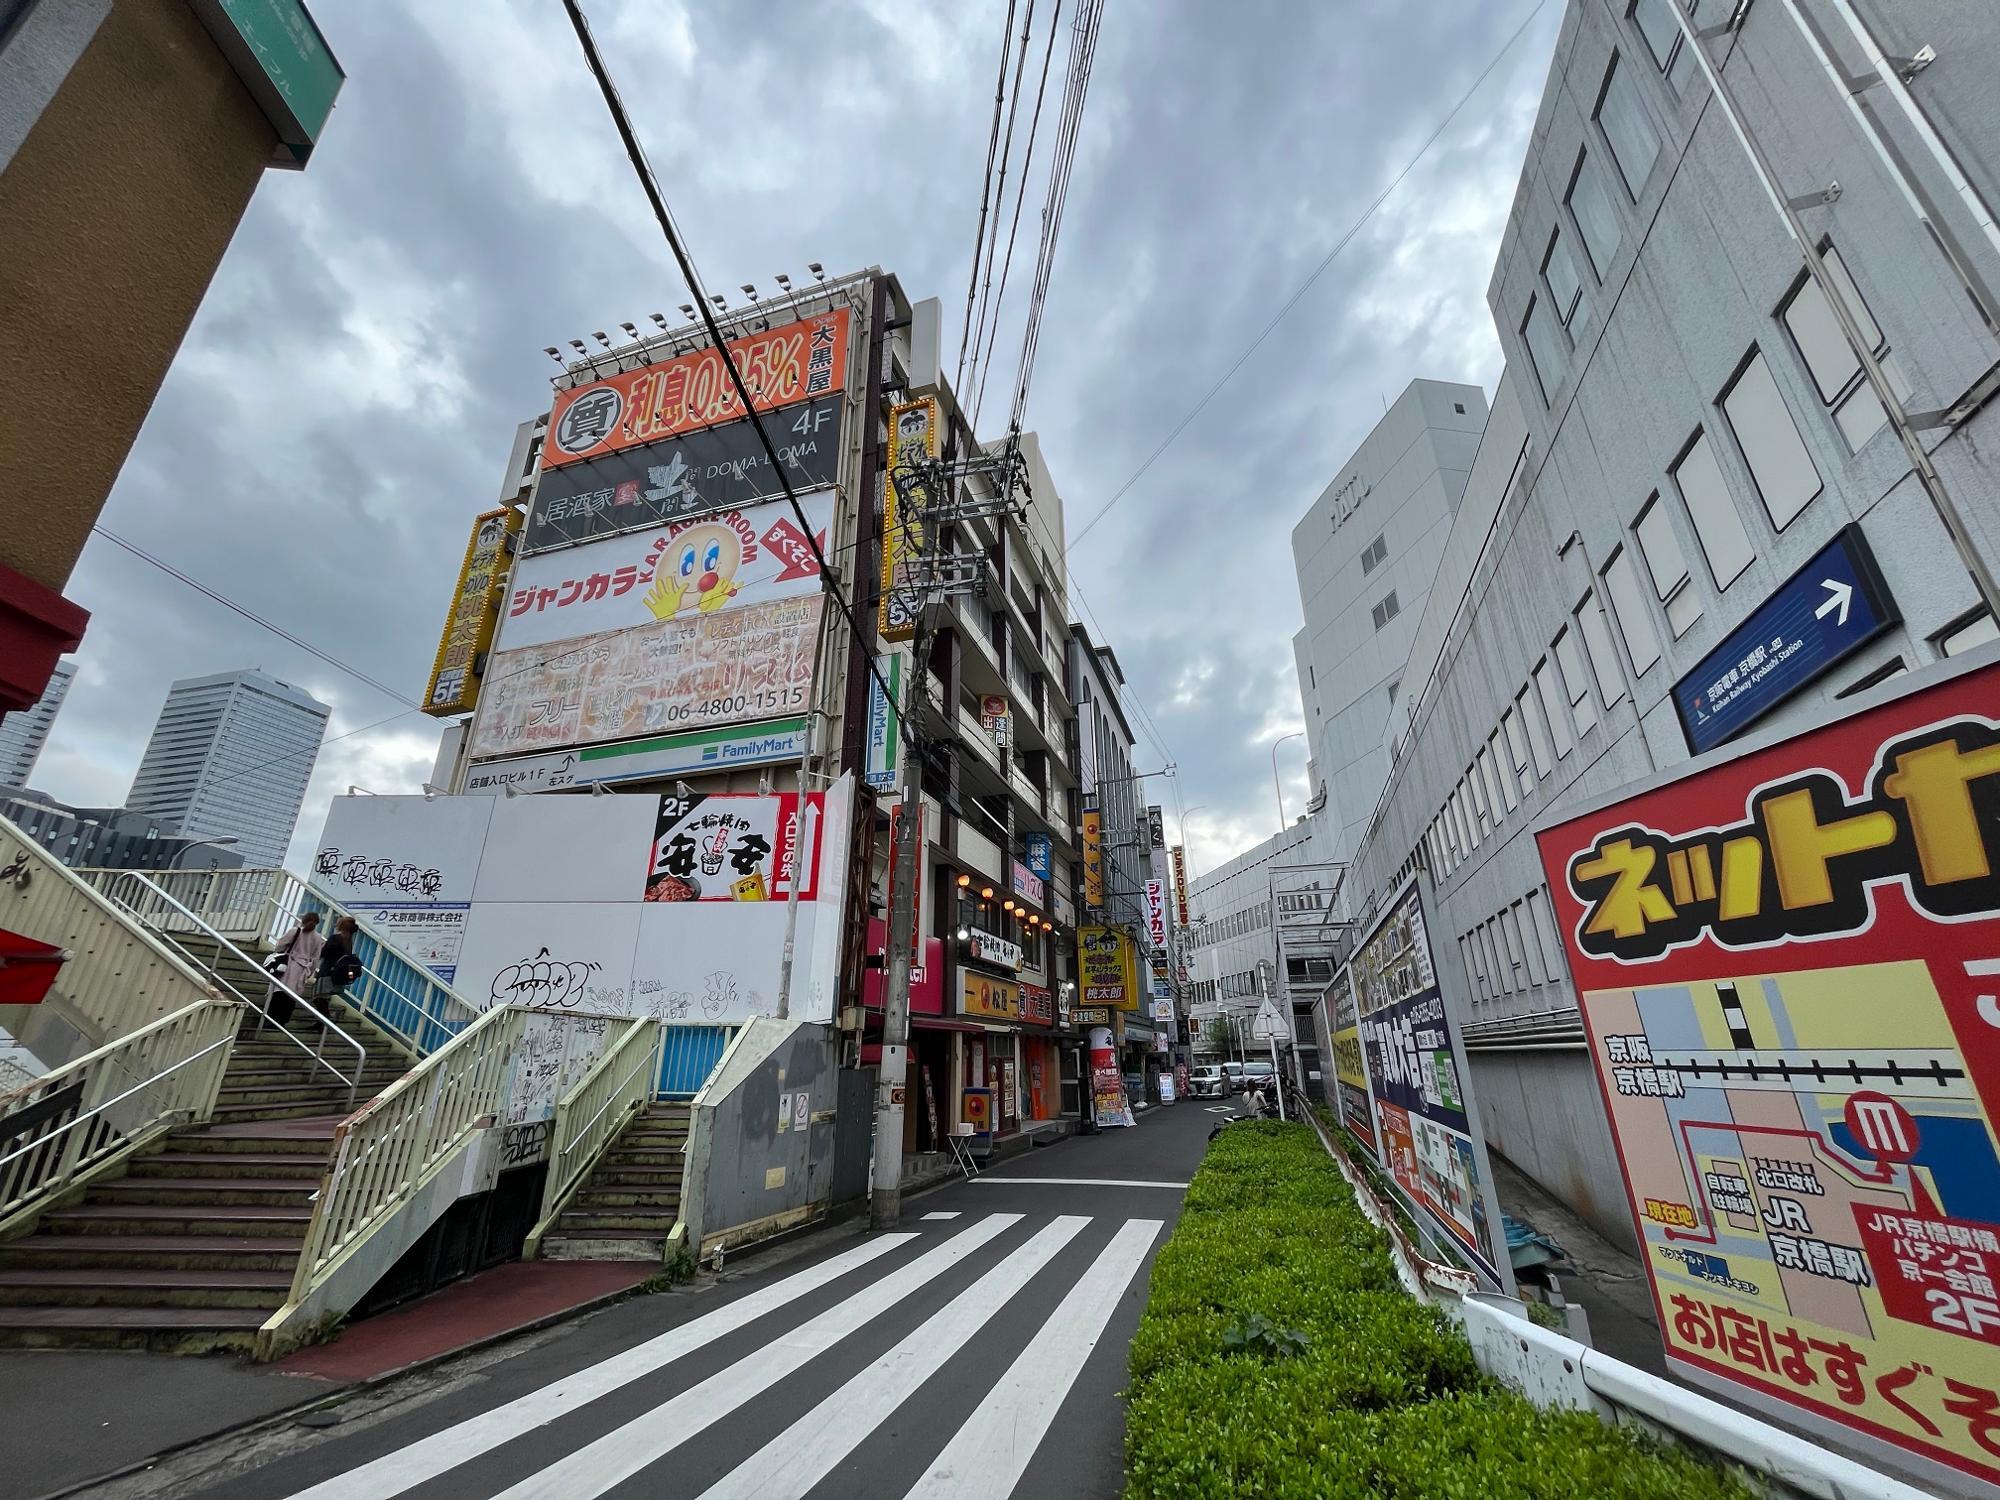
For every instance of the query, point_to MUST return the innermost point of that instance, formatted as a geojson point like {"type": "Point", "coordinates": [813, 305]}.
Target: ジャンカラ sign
{"type": "Point", "coordinates": [1787, 966]}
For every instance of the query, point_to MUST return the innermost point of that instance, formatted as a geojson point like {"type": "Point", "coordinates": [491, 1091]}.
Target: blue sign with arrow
{"type": "Point", "coordinates": [1832, 607]}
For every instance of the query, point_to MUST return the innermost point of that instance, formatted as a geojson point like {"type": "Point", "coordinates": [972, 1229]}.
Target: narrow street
{"type": "Point", "coordinates": [978, 1352]}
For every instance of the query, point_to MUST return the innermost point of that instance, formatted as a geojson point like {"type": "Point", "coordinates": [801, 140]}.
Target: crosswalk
{"type": "Point", "coordinates": [850, 1377]}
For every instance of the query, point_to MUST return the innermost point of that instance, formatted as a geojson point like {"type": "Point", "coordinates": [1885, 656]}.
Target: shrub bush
{"type": "Point", "coordinates": [1279, 1359]}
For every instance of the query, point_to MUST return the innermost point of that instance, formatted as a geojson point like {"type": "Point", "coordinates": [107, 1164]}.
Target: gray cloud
{"type": "Point", "coordinates": [346, 397]}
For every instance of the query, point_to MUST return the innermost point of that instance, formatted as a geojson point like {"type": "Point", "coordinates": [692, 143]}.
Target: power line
{"type": "Point", "coordinates": [992, 247]}
{"type": "Point", "coordinates": [1318, 271]}
{"type": "Point", "coordinates": [992, 148]}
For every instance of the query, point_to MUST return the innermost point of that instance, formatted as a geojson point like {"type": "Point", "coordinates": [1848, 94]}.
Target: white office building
{"type": "Point", "coordinates": [230, 758]}
{"type": "Point", "coordinates": [23, 734]}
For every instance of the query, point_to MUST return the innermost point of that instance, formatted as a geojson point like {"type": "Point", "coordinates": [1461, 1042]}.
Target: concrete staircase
{"type": "Point", "coordinates": [196, 1244]}
{"type": "Point", "coordinates": [632, 1200]}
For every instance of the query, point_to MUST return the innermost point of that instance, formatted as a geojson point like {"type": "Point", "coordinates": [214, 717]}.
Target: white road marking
{"type": "Point", "coordinates": [952, 1215]}
{"type": "Point", "coordinates": [618, 1455]}
{"type": "Point", "coordinates": [807, 1451]}
{"type": "Point", "coordinates": [988, 1455]}
{"type": "Point", "coordinates": [428, 1457]}
{"type": "Point", "coordinates": [997, 1180]}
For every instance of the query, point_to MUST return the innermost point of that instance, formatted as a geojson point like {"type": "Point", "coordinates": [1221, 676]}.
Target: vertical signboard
{"type": "Point", "coordinates": [1180, 884]}
{"type": "Point", "coordinates": [1107, 1084]}
{"type": "Point", "coordinates": [1427, 1135]}
{"type": "Point", "coordinates": [1350, 1071]}
{"type": "Point", "coordinates": [1093, 858]}
{"type": "Point", "coordinates": [475, 610]}
{"type": "Point", "coordinates": [1038, 851]}
{"type": "Point", "coordinates": [1787, 967]}
{"type": "Point", "coordinates": [883, 770]}
{"type": "Point", "coordinates": [915, 432]}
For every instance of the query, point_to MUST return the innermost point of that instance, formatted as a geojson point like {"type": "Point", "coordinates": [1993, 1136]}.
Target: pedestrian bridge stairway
{"type": "Point", "coordinates": [196, 1244]}
{"type": "Point", "coordinates": [629, 1204]}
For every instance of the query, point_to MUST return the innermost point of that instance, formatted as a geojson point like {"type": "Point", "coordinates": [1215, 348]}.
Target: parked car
{"type": "Point", "coordinates": [1208, 1082]}
{"type": "Point", "coordinates": [1258, 1073]}
{"type": "Point", "coordinates": [1232, 1077]}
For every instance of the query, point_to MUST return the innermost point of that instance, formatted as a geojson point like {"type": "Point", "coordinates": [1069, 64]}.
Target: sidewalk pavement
{"type": "Point", "coordinates": [77, 1415]}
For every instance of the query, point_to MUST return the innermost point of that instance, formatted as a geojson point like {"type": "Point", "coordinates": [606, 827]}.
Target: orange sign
{"type": "Point", "coordinates": [780, 366]}
{"type": "Point", "coordinates": [985, 996]}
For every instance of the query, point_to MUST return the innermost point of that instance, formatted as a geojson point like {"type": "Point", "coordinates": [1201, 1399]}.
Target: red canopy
{"type": "Point", "coordinates": [27, 969]}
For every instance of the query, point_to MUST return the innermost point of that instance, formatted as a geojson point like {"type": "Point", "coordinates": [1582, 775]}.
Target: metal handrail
{"type": "Point", "coordinates": [336, 909]}
{"type": "Point", "coordinates": [253, 1002]}
{"type": "Point", "coordinates": [568, 1136]}
{"type": "Point", "coordinates": [91, 1114]}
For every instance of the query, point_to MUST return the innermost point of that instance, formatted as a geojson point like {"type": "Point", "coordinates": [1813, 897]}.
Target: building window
{"type": "Point", "coordinates": [1634, 144]}
{"type": "Point", "coordinates": [1570, 660]}
{"type": "Point", "coordinates": [1377, 553]}
{"type": "Point", "coordinates": [1831, 360]}
{"type": "Point", "coordinates": [1386, 609]}
{"type": "Point", "coordinates": [1597, 645]}
{"type": "Point", "coordinates": [1517, 751]}
{"type": "Point", "coordinates": [1469, 952]}
{"type": "Point", "coordinates": [1975, 629]}
{"type": "Point", "coordinates": [1655, 20]}
{"type": "Point", "coordinates": [1546, 350]}
{"type": "Point", "coordinates": [1495, 956]}
{"type": "Point", "coordinates": [1538, 732]}
{"type": "Point", "coordinates": [1786, 478]}
{"type": "Point", "coordinates": [1716, 523]}
{"type": "Point", "coordinates": [1499, 772]}
{"type": "Point", "coordinates": [1893, 667]}
{"type": "Point", "coordinates": [1551, 694]}
{"type": "Point", "coordinates": [1565, 286]}
{"type": "Point", "coordinates": [1668, 567]}
{"type": "Point", "coordinates": [1597, 220]}
{"type": "Point", "coordinates": [1635, 623]}
{"type": "Point", "coordinates": [1482, 820]}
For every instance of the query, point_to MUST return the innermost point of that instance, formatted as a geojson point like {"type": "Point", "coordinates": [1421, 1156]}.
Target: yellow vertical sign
{"type": "Point", "coordinates": [474, 612]}
{"type": "Point", "coordinates": [1093, 858]}
{"type": "Point", "coordinates": [914, 437]}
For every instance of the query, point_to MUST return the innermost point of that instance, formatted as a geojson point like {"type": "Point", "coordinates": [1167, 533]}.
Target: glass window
{"type": "Point", "coordinates": [1570, 660]}
{"type": "Point", "coordinates": [1386, 609]}
{"type": "Point", "coordinates": [1547, 351]}
{"type": "Point", "coordinates": [1786, 478]}
{"type": "Point", "coordinates": [1565, 286]}
{"type": "Point", "coordinates": [1476, 788]}
{"type": "Point", "coordinates": [1469, 952]}
{"type": "Point", "coordinates": [1544, 927]}
{"type": "Point", "coordinates": [1655, 20]}
{"type": "Point", "coordinates": [1834, 366]}
{"type": "Point", "coordinates": [1510, 941]}
{"type": "Point", "coordinates": [1531, 951]}
{"type": "Point", "coordinates": [1635, 622]}
{"type": "Point", "coordinates": [1553, 707]}
{"type": "Point", "coordinates": [1974, 630]}
{"type": "Point", "coordinates": [1634, 144]}
{"type": "Point", "coordinates": [1538, 732]}
{"type": "Point", "coordinates": [1668, 567]}
{"type": "Point", "coordinates": [1377, 553]}
{"type": "Point", "coordinates": [1500, 772]}
{"type": "Point", "coordinates": [1597, 642]}
{"type": "Point", "coordinates": [1596, 219]}
{"type": "Point", "coordinates": [1517, 750]}
{"type": "Point", "coordinates": [1716, 523]}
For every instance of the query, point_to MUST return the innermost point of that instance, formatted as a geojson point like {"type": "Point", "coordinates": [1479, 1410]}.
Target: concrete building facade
{"type": "Point", "coordinates": [1684, 426]}
{"type": "Point", "coordinates": [24, 732]}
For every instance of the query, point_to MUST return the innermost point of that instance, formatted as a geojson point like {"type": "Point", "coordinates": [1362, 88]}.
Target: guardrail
{"type": "Point", "coordinates": [589, 1117]}
{"type": "Point", "coordinates": [65, 1126]}
{"type": "Point", "coordinates": [690, 1052]}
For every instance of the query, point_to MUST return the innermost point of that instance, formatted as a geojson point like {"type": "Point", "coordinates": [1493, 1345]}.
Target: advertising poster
{"type": "Point", "coordinates": [674, 675]}
{"type": "Point", "coordinates": [1787, 969]}
{"type": "Point", "coordinates": [475, 607]}
{"type": "Point", "coordinates": [680, 571]}
{"type": "Point", "coordinates": [1350, 1071]}
{"type": "Point", "coordinates": [884, 747]}
{"type": "Point", "coordinates": [1417, 1081]}
{"type": "Point", "coordinates": [1106, 968]}
{"type": "Point", "coordinates": [781, 366]}
{"type": "Point", "coordinates": [1093, 858]}
{"type": "Point", "coordinates": [1107, 1084]}
{"type": "Point", "coordinates": [715, 469]}
{"type": "Point", "coordinates": [735, 847]}
{"type": "Point", "coordinates": [915, 430]}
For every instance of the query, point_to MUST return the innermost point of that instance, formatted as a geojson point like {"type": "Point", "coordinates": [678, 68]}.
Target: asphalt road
{"type": "Point", "coordinates": [980, 1351]}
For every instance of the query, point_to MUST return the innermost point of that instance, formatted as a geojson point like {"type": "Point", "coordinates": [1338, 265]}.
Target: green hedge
{"type": "Point", "coordinates": [1279, 1359]}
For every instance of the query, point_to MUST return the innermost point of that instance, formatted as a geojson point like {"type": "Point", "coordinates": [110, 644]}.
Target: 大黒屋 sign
{"type": "Point", "coordinates": [780, 366]}
{"type": "Point", "coordinates": [475, 607]}
{"type": "Point", "coordinates": [1786, 965]}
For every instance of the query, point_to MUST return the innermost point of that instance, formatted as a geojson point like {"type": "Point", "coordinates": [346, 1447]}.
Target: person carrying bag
{"type": "Point", "coordinates": [293, 966]}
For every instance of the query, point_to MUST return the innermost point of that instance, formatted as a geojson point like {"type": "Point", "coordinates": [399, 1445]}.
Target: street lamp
{"type": "Point", "coordinates": [1276, 785]}
{"type": "Point", "coordinates": [223, 841]}
{"type": "Point", "coordinates": [1185, 844]}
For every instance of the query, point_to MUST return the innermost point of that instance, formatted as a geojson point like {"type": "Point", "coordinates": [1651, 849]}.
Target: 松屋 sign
{"type": "Point", "coordinates": [1786, 965]}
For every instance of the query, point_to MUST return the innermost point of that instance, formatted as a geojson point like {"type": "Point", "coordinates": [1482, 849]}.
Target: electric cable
{"type": "Point", "coordinates": [992, 148]}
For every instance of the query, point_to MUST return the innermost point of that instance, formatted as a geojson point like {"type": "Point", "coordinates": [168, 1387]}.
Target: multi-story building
{"type": "Point", "coordinates": [108, 838]}
{"type": "Point", "coordinates": [230, 757]}
{"type": "Point", "coordinates": [1365, 553]}
{"type": "Point", "coordinates": [23, 733]}
{"type": "Point", "coordinates": [132, 135]}
{"type": "Point", "coordinates": [1688, 427]}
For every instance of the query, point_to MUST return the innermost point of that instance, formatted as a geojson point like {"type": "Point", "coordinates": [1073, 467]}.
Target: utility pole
{"type": "Point", "coordinates": [885, 1203]}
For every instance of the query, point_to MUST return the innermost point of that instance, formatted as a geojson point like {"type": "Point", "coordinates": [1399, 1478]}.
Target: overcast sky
{"type": "Point", "coordinates": [347, 395]}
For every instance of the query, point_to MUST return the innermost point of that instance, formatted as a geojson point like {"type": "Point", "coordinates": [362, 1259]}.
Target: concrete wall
{"type": "Point", "coordinates": [114, 211]}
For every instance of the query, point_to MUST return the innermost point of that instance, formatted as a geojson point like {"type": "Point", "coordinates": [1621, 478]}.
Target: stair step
{"type": "Point", "coordinates": [307, 1166]}
{"type": "Point", "coordinates": [251, 1114]}
{"type": "Point", "coordinates": [219, 1190]}
{"type": "Point", "coordinates": [142, 1286]}
{"type": "Point", "coordinates": [189, 1252]}
{"type": "Point", "coordinates": [180, 1218]}
{"type": "Point", "coordinates": [617, 1175]}
{"type": "Point", "coordinates": [186, 1329]}
{"type": "Point", "coordinates": [657, 1221]}
{"type": "Point", "coordinates": [636, 1196]}
{"type": "Point", "coordinates": [317, 1129]}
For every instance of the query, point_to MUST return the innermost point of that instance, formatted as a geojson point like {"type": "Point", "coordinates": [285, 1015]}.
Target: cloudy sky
{"type": "Point", "coordinates": [347, 395]}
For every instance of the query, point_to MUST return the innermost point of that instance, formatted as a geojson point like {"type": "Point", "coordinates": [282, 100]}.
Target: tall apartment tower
{"type": "Point", "coordinates": [230, 756]}
{"type": "Point", "coordinates": [23, 734]}
{"type": "Point", "coordinates": [1366, 554]}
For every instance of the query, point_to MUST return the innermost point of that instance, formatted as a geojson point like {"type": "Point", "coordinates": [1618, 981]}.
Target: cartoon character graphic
{"type": "Point", "coordinates": [698, 570]}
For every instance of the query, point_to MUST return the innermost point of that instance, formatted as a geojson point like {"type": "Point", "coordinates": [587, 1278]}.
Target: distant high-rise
{"type": "Point", "coordinates": [23, 734]}
{"type": "Point", "coordinates": [230, 756]}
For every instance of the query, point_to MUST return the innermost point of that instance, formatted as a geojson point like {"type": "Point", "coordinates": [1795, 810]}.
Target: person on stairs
{"type": "Point", "coordinates": [293, 966]}
{"type": "Point", "coordinates": [339, 964]}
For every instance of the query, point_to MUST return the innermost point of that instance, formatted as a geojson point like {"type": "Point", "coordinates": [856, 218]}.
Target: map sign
{"type": "Point", "coordinates": [1417, 1081]}
{"type": "Point", "coordinates": [1787, 967]}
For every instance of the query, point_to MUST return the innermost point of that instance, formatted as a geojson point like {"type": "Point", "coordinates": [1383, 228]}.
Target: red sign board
{"type": "Point", "coordinates": [1788, 967]}
{"type": "Point", "coordinates": [27, 968]}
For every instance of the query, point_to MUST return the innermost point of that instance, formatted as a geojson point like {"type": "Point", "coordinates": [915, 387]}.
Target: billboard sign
{"type": "Point", "coordinates": [1786, 964]}
{"type": "Point", "coordinates": [1428, 1138]}
{"type": "Point", "coordinates": [781, 366]}
{"type": "Point", "coordinates": [735, 847]}
{"type": "Point", "coordinates": [1180, 885]}
{"type": "Point", "coordinates": [1093, 858]}
{"type": "Point", "coordinates": [1350, 1072]}
{"type": "Point", "coordinates": [635, 760]}
{"type": "Point", "coordinates": [1156, 915]}
{"type": "Point", "coordinates": [916, 429]}
{"type": "Point", "coordinates": [475, 608]}
{"type": "Point", "coordinates": [684, 674]}
{"type": "Point", "coordinates": [682, 571]}
{"type": "Point", "coordinates": [1156, 829]}
{"type": "Point", "coordinates": [718, 468]}
{"type": "Point", "coordinates": [1832, 607]}
{"type": "Point", "coordinates": [884, 748]}
{"type": "Point", "coordinates": [990, 948]}
{"type": "Point", "coordinates": [1039, 853]}
{"type": "Point", "coordinates": [1026, 884]}
{"type": "Point", "coordinates": [983, 995]}
{"type": "Point", "coordinates": [1107, 969]}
